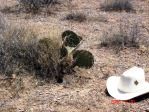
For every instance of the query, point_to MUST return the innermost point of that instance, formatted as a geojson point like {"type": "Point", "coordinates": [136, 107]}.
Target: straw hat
{"type": "Point", "coordinates": [129, 85]}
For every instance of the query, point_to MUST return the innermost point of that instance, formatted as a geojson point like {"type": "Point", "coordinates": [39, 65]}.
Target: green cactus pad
{"type": "Point", "coordinates": [63, 52]}
{"type": "Point", "coordinates": [71, 38]}
{"type": "Point", "coordinates": [83, 59]}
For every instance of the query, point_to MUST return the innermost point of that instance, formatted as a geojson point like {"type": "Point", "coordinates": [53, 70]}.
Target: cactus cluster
{"type": "Point", "coordinates": [69, 56]}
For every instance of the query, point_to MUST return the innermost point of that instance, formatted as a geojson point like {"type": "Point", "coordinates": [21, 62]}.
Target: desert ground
{"type": "Point", "coordinates": [84, 91]}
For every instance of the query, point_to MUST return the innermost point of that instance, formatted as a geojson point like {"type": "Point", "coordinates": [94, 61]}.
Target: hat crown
{"type": "Point", "coordinates": [131, 80]}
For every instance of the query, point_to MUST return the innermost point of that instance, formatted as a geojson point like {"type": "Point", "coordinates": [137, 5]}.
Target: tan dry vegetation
{"type": "Point", "coordinates": [84, 91]}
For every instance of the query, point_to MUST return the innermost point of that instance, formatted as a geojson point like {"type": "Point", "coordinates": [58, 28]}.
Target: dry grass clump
{"type": "Point", "coordinates": [80, 17]}
{"type": "Point", "coordinates": [126, 37]}
{"type": "Point", "coordinates": [117, 5]}
{"type": "Point", "coordinates": [2, 24]}
{"type": "Point", "coordinates": [21, 50]}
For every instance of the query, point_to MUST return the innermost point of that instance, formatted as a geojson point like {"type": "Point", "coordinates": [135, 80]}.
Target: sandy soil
{"type": "Point", "coordinates": [86, 90]}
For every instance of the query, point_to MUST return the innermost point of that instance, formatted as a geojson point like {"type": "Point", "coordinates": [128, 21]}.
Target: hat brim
{"type": "Point", "coordinates": [112, 83]}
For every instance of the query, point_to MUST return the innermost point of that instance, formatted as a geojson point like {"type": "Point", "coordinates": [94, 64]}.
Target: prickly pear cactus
{"type": "Point", "coordinates": [83, 59]}
{"type": "Point", "coordinates": [70, 38]}
{"type": "Point", "coordinates": [69, 56]}
{"type": "Point", "coordinates": [63, 52]}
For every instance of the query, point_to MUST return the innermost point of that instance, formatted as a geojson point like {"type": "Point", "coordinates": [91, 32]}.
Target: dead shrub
{"type": "Point", "coordinates": [36, 6]}
{"type": "Point", "coordinates": [80, 17]}
{"type": "Point", "coordinates": [19, 50]}
{"type": "Point", "coordinates": [33, 7]}
{"type": "Point", "coordinates": [126, 37]}
{"type": "Point", "coordinates": [117, 5]}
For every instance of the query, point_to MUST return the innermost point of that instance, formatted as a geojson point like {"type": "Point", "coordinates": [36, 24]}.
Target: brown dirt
{"type": "Point", "coordinates": [86, 90]}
